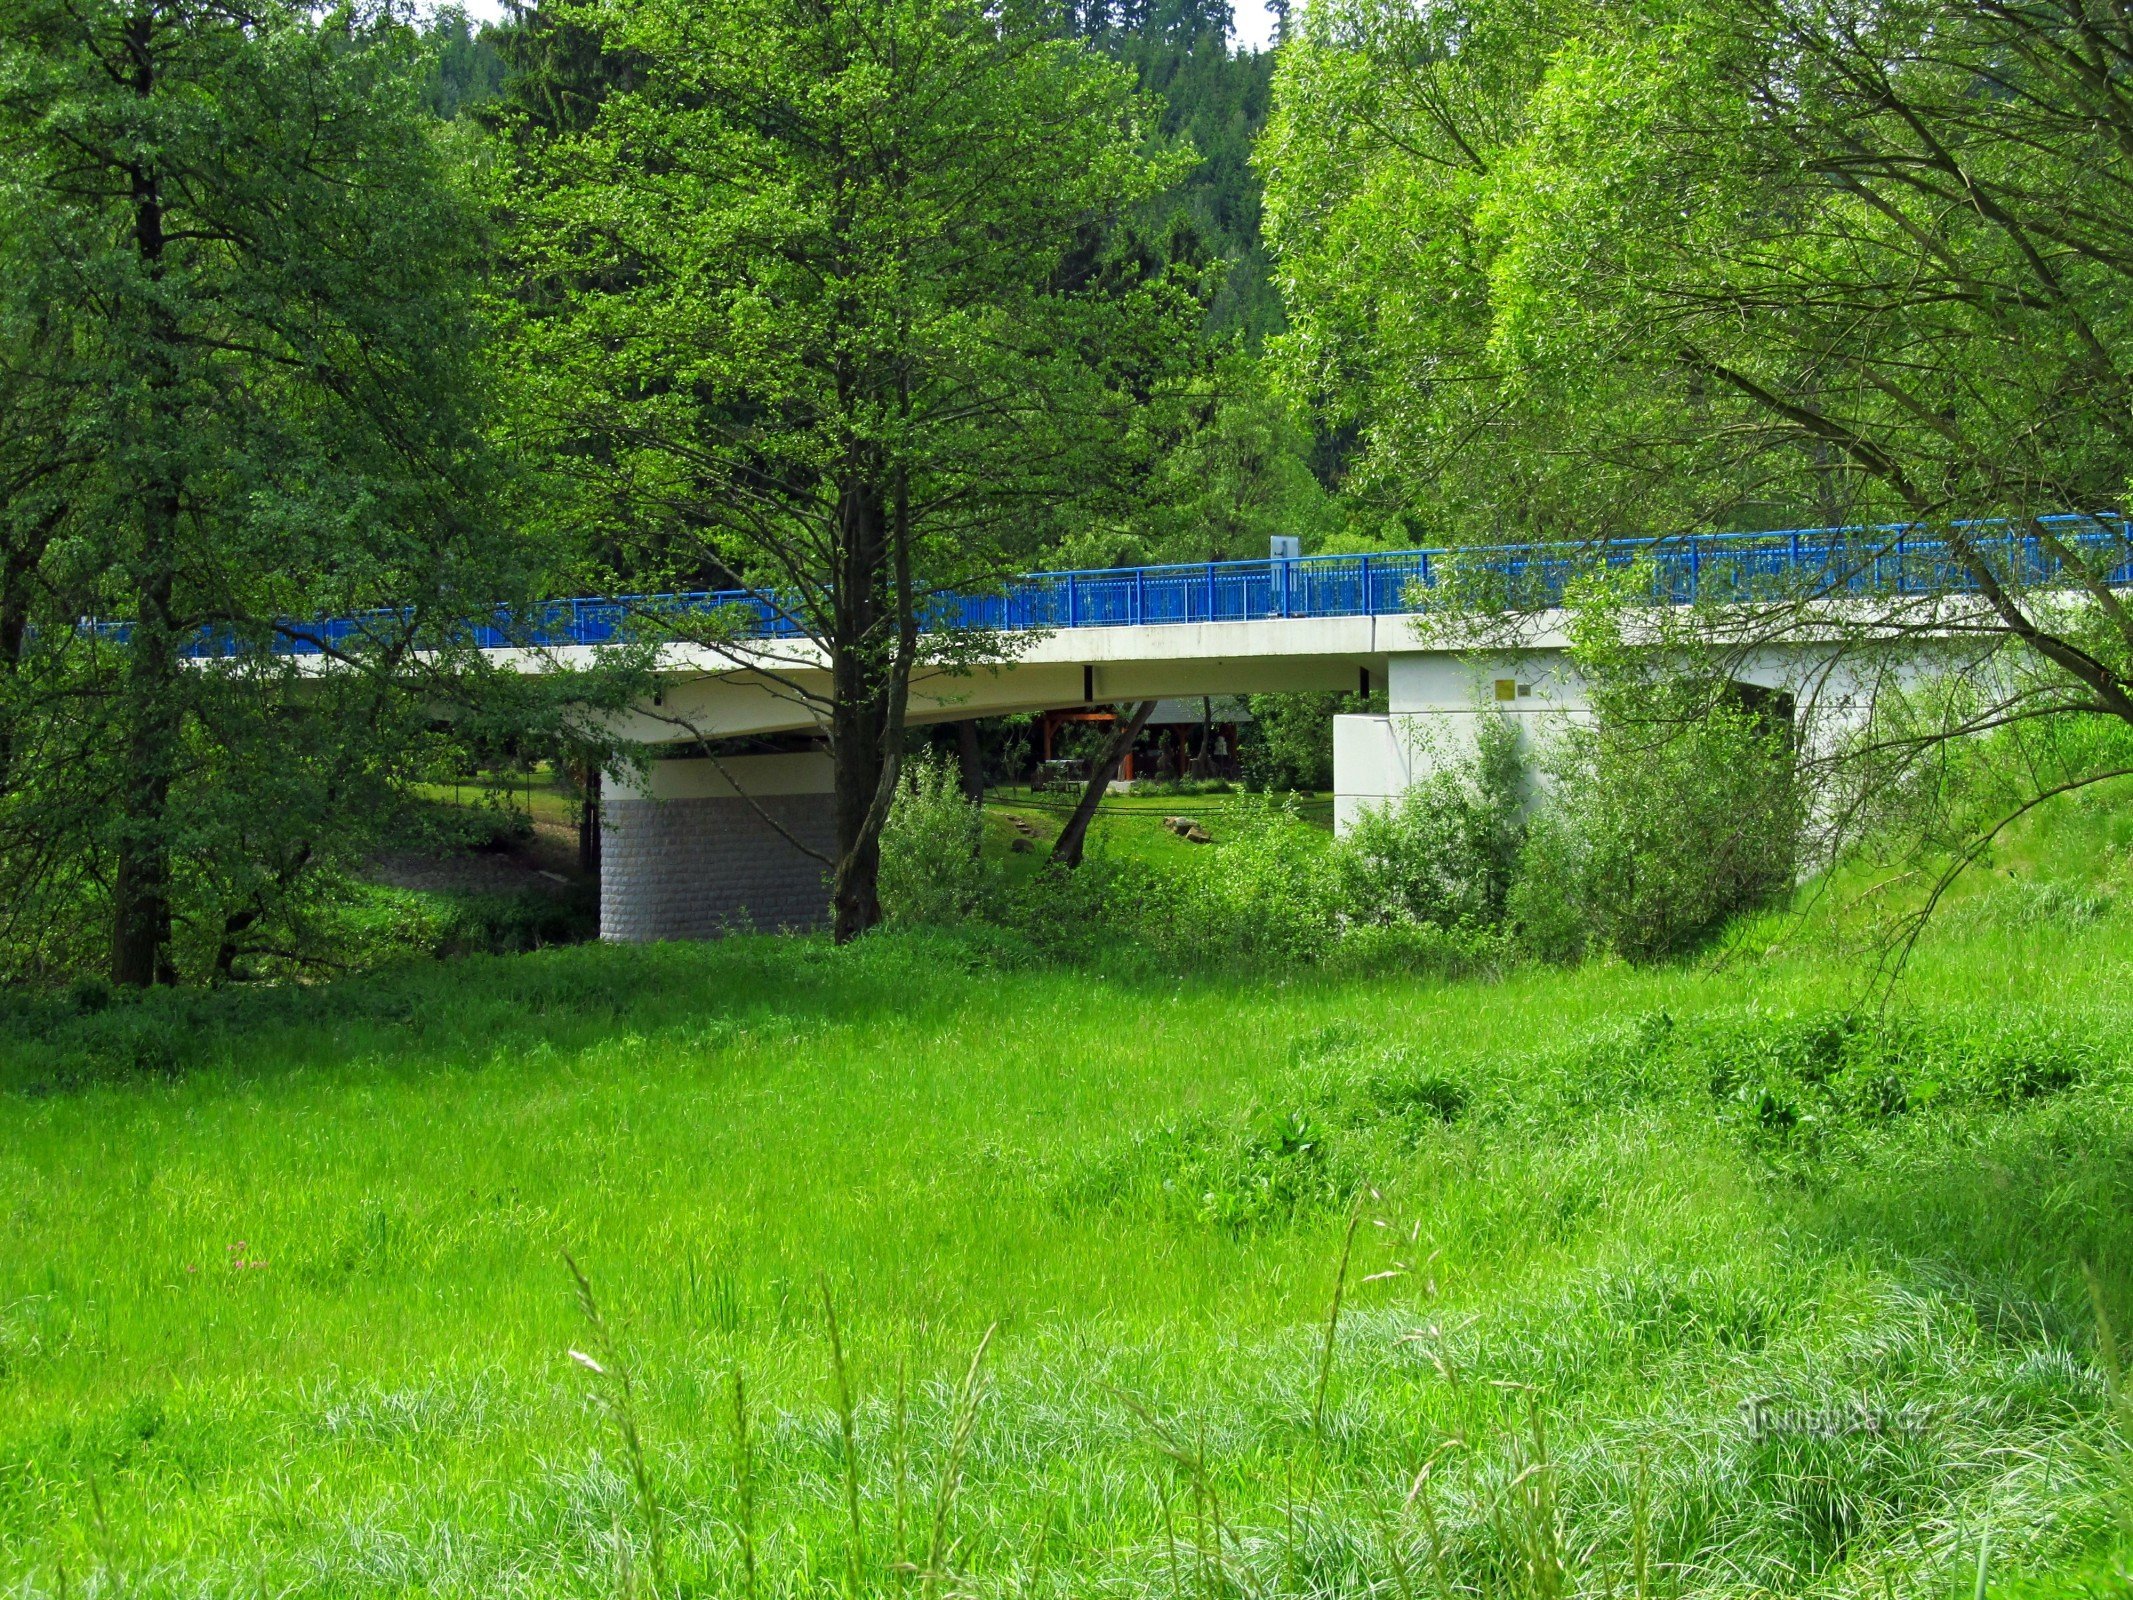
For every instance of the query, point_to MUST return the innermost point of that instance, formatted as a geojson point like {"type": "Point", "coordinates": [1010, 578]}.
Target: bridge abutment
{"type": "Point", "coordinates": [1436, 698]}
{"type": "Point", "coordinates": [1435, 701]}
{"type": "Point", "coordinates": [693, 848]}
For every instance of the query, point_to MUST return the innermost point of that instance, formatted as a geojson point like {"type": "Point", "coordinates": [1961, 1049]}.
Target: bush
{"type": "Point", "coordinates": [931, 874]}
{"type": "Point", "coordinates": [1268, 892]}
{"type": "Point", "coordinates": [1445, 852]}
{"type": "Point", "coordinates": [1672, 812]}
{"type": "Point", "coordinates": [1288, 744]}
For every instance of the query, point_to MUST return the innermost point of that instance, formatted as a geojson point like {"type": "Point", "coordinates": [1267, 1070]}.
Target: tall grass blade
{"type": "Point", "coordinates": [2114, 1381]}
{"type": "Point", "coordinates": [856, 1537]}
{"type": "Point", "coordinates": [1170, 1541]}
{"type": "Point", "coordinates": [940, 1551]}
{"type": "Point", "coordinates": [1395, 1540]}
{"type": "Point", "coordinates": [1641, 1527]}
{"type": "Point", "coordinates": [114, 1573]}
{"type": "Point", "coordinates": [902, 1449]}
{"type": "Point", "coordinates": [744, 1483]}
{"type": "Point", "coordinates": [611, 1371]}
{"type": "Point", "coordinates": [1333, 1323]}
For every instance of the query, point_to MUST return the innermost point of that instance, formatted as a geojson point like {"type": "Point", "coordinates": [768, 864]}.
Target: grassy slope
{"type": "Point", "coordinates": [387, 1405]}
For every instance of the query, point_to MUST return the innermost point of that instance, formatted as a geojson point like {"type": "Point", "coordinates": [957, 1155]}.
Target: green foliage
{"type": "Point", "coordinates": [1288, 744]}
{"type": "Point", "coordinates": [466, 70]}
{"type": "Point", "coordinates": [1267, 897]}
{"type": "Point", "coordinates": [1799, 1090]}
{"type": "Point", "coordinates": [1384, 153]}
{"type": "Point", "coordinates": [931, 874]}
{"type": "Point", "coordinates": [1447, 851]}
{"type": "Point", "coordinates": [243, 361]}
{"type": "Point", "coordinates": [1226, 467]}
{"type": "Point", "coordinates": [1699, 264]}
{"type": "Point", "coordinates": [1661, 828]}
{"type": "Point", "coordinates": [1675, 807]}
{"type": "Point", "coordinates": [1217, 101]}
{"type": "Point", "coordinates": [1570, 272]}
{"type": "Point", "coordinates": [1272, 892]}
{"type": "Point", "coordinates": [1264, 896]}
{"type": "Point", "coordinates": [723, 217]}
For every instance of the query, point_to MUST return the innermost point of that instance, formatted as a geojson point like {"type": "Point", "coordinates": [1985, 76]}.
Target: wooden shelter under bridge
{"type": "Point", "coordinates": [1183, 738]}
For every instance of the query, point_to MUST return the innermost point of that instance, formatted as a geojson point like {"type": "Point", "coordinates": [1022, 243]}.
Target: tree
{"type": "Point", "coordinates": [239, 353]}
{"type": "Point", "coordinates": [467, 69]}
{"type": "Point", "coordinates": [1216, 99]}
{"type": "Point", "coordinates": [1225, 466]}
{"type": "Point", "coordinates": [1387, 124]}
{"type": "Point", "coordinates": [1741, 263]}
{"type": "Point", "coordinates": [1067, 848]}
{"type": "Point", "coordinates": [815, 305]}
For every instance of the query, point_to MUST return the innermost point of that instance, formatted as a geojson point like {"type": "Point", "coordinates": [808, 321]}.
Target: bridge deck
{"type": "Point", "coordinates": [1720, 568]}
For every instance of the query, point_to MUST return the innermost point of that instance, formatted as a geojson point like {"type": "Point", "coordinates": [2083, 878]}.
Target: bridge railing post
{"type": "Point", "coordinates": [1073, 603]}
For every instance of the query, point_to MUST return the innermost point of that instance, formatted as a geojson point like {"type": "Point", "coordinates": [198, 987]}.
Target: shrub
{"type": "Point", "coordinates": [1268, 891]}
{"type": "Point", "coordinates": [1288, 744]}
{"type": "Point", "coordinates": [1445, 852]}
{"type": "Point", "coordinates": [931, 873]}
{"type": "Point", "coordinates": [1274, 890]}
{"type": "Point", "coordinates": [1088, 913]}
{"type": "Point", "coordinates": [1264, 893]}
{"type": "Point", "coordinates": [1673, 811]}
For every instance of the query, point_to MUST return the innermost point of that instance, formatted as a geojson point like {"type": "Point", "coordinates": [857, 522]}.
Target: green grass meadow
{"type": "Point", "coordinates": [1725, 1279]}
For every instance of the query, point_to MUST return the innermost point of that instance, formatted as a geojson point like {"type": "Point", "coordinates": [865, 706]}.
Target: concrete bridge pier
{"type": "Point", "coordinates": [692, 848]}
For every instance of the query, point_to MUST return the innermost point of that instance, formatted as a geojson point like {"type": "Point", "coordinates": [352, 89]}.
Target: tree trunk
{"type": "Point", "coordinates": [140, 886]}
{"type": "Point", "coordinates": [970, 762]}
{"type": "Point", "coordinates": [876, 642]}
{"type": "Point", "coordinates": [1066, 851]}
{"type": "Point", "coordinates": [234, 928]}
{"type": "Point", "coordinates": [22, 560]}
{"type": "Point", "coordinates": [589, 820]}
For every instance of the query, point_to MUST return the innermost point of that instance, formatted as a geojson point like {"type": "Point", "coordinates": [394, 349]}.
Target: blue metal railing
{"type": "Point", "coordinates": [1894, 559]}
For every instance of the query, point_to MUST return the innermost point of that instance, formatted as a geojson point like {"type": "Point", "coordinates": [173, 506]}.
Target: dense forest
{"type": "Point", "coordinates": [322, 313]}
{"type": "Point", "coordinates": [1214, 98]}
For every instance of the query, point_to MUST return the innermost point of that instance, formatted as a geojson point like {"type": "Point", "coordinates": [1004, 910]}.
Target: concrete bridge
{"type": "Point", "coordinates": [687, 850]}
{"type": "Point", "coordinates": [701, 842]}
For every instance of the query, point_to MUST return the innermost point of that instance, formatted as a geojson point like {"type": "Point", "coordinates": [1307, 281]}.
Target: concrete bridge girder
{"type": "Point", "coordinates": [782, 686]}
